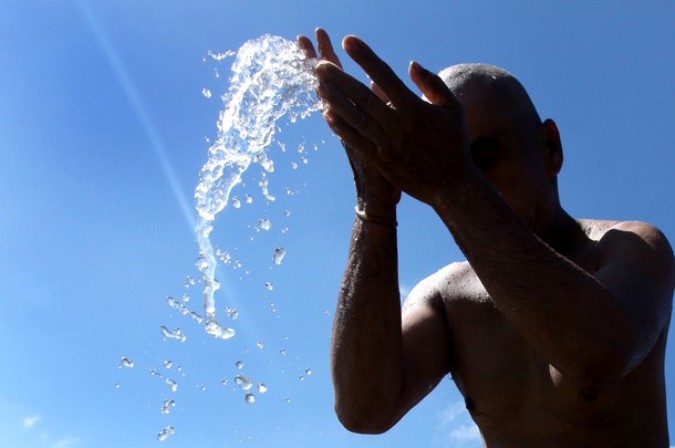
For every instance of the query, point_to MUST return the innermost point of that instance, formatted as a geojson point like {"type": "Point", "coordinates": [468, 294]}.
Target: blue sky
{"type": "Point", "coordinates": [102, 132]}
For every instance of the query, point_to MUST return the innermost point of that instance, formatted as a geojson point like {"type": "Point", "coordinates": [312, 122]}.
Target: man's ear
{"type": "Point", "coordinates": [553, 153]}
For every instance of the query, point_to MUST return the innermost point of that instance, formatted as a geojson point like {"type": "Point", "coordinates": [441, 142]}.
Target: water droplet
{"type": "Point", "coordinates": [284, 230]}
{"type": "Point", "coordinates": [232, 313]}
{"type": "Point", "coordinates": [248, 198]}
{"type": "Point", "coordinates": [165, 433]}
{"type": "Point", "coordinates": [168, 363]}
{"type": "Point", "coordinates": [201, 387]}
{"type": "Point", "coordinates": [117, 385]}
{"type": "Point", "coordinates": [173, 385]}
{"type": "Point", "coordinates": [167, 406]}
{"type": "Point", "coordinates": [176, 334]}
{"type": "Point", "coordinates": [249, 398]}
{"type": "Point", "coordinates": [224, 256]}
{"type": "Point", "coordinates": [206, 92]}
{"type": "Point", "coordinates": [243, 382]}
{"type": "Point", "coordinates": [279, 254]}
{"type": "Point", "coordinates": [282, 352]}
{"type": "Point", "coordinates": [302, 378]}
{"type": "Point", "coordinates": [269, 286]}
{"type": "Point", "coordinates": [223, 381]}
{"type": "Point", "coordinates": [287, 213]}
{"type": "Point", "coordinates": [196, 317]}
{"type": "Point", "coordinates": [219, 56]}
{"type": "Point", "coordinates": [202, 264]}
{"type": "Point", "coordinates": [308, 372]}
{"type": "Point", "coordinates": [287, 400]}
{"type": "Point", "coordinates": [235, 202]}
{"type": "Point", "coordinates": [264, 223]}
{"type": "Point", "coordinates": [262, 388]}
{"type": "Point", "coordinates": [259, 344]}
{"type": "Point", "coordinates": [185, 297]}
{"type": "Point", "coordinates": [239, 364]}
{"type": "Point", "coordinates": [154, 372]}
{"type": "Point", "coordinates": [189, 281]}
{"type": "Point", "coordinates": [214, 329]}
{"type": "Point", "coordinates": [294, 165]}
{"type": "Point", "coordinates": [126, 362]}
{"type": "Point", "coordinates": [304, 160]}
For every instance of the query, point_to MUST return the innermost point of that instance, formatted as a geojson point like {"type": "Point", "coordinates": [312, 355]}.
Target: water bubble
{"type": "Point", "coordinates": [239, 364]}
{"type": "Point", "coordinates": [235, 202]}
{"type": "Point", "coordinates": [202, 263]}
{"type": "Point", "coordinates": [262, 388]}
{"type": "Point", "coordinates": [173, 385]}
{"type": "Point", "coordinates": [304, 160]}
{"type": "Point", "coordinates": [302, 378]}
{"type": "Point", "coordinates": [308, 372]}
{"type": "Point", "coordinates": [165, 433]}
{"type": "Point", "coordinates": [294, 165]}
{"type": "Point", "coordinates": [248, 198]}
{"type": "Point", "coordinates": [269, 286]}
{"type": "Point", "coordinates": [243, 382]}
{"type": "Point", "coordinates": [176, 334]}
{"type": "Point", "coordinates": [224, 256]}
{"type": "Point", "coordinates": [206, 92]}
{"type": "Point", "coordinates": [117, 385]}
{"type": "Point", "coordinates": [279, 254]}
{"type": "Point", "coordinates": [185, 297]}
{"type": "Point", "coordinates": [287, 400]}
{"type": "Point", "coordinates": [249, 398]}
{"type": "Point", "coordinates": [168, 363]}
{"type": "Point", "coordinates": [126, 362]}
{"type": "Point", "coordinates": [264, 223]}
{"type": "Point", "coordinates": [167, 406]}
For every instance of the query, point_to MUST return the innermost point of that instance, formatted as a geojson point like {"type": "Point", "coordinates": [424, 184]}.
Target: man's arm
{"type": "Point", "coordinates": [592, 327]}
{"type": "Point", "coordinates": [383, 363]}
{"type": "Point", "coordinates": [379, 367]}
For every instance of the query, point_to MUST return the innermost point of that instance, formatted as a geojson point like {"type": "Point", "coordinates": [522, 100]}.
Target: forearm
{"type": "Point", "coordinates": [366, 345]}
{"type": "Point", "coordinates": [560, 309]}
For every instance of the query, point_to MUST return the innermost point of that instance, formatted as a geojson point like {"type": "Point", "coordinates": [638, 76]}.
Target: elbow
{"type": "Point", "coordinates": [365, 421]}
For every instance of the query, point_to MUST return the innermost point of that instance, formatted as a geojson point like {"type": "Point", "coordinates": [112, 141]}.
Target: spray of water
{"type": "Point", "coordinates": [270, 79]}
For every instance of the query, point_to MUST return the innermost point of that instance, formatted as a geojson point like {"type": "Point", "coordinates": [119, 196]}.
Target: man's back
{"type": "Point", "coordinates": [518, 399]}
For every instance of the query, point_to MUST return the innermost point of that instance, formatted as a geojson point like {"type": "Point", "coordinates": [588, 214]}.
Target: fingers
{"type": "Point", "coordinates": [355, 103]}
{"type": "Point", "coordinates": [431, 86]}
{"type": "Point", "coordinates": [379, 72]}
{"type": "Point", "coordinates": [326, 47]}
{"type": "Point", "coordinates": [351, 138]}
{"type": "Point", "coordinates": [379, 92]}
{"type": "Point", "coordinates": [307, 47]}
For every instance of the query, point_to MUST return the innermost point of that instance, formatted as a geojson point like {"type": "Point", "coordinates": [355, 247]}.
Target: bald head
{"type": "Point", "coordinates": [491, 86]}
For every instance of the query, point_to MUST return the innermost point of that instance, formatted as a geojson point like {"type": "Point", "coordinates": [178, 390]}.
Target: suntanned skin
{"type": "Point", "coordinates": [554, 329]}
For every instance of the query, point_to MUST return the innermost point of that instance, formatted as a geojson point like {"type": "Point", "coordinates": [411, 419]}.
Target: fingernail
{"type": "Point", "coordinates": [415, 66]}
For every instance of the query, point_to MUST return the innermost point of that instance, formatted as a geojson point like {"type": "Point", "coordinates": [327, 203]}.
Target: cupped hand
{"type": "Point", "coordinates": [420, 146]}
{"type": "Point", "coordinates": [375, 194]}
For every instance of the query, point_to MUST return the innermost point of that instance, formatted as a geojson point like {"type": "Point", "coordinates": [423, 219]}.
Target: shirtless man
{"type": "Point", "coordinates": [554, 329]}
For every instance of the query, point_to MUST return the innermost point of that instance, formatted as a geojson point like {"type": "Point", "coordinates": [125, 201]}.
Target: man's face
{"type": "Point", "coordinates": [506, 148]}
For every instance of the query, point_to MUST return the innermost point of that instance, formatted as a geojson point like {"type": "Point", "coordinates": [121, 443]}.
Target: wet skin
{"type": "Point", "coordinates": [554, 329]}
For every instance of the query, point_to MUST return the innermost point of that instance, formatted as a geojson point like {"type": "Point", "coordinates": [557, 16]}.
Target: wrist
{"type": "Point", "coordinates": [380, 217]}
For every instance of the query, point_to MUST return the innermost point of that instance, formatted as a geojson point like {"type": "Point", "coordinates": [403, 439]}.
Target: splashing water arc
{"type": "Point", "coordinates": [270, 79]}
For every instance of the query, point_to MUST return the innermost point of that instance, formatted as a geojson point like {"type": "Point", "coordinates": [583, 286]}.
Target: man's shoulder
{"type": "Point", "coordinates": [454, 281]}
{"type": "Point", "coordinates": [617, 238]}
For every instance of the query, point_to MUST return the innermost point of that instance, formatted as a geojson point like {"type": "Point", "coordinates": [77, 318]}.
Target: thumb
{"type": "Point", "coordinates": [432, 87]}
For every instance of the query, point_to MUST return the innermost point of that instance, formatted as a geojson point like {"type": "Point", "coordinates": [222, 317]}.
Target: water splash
{"type": "Point", "coordinates": [270, 79]}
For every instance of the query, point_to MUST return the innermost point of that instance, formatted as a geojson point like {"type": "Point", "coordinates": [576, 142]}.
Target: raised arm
{"type": "Point", "coordinates": [382, 363]}
{"type": "Point", "coordinates": [593, 324]}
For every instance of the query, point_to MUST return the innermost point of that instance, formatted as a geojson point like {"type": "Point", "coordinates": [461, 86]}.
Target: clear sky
{"type": "Point", "coordinates": [102, 134]}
